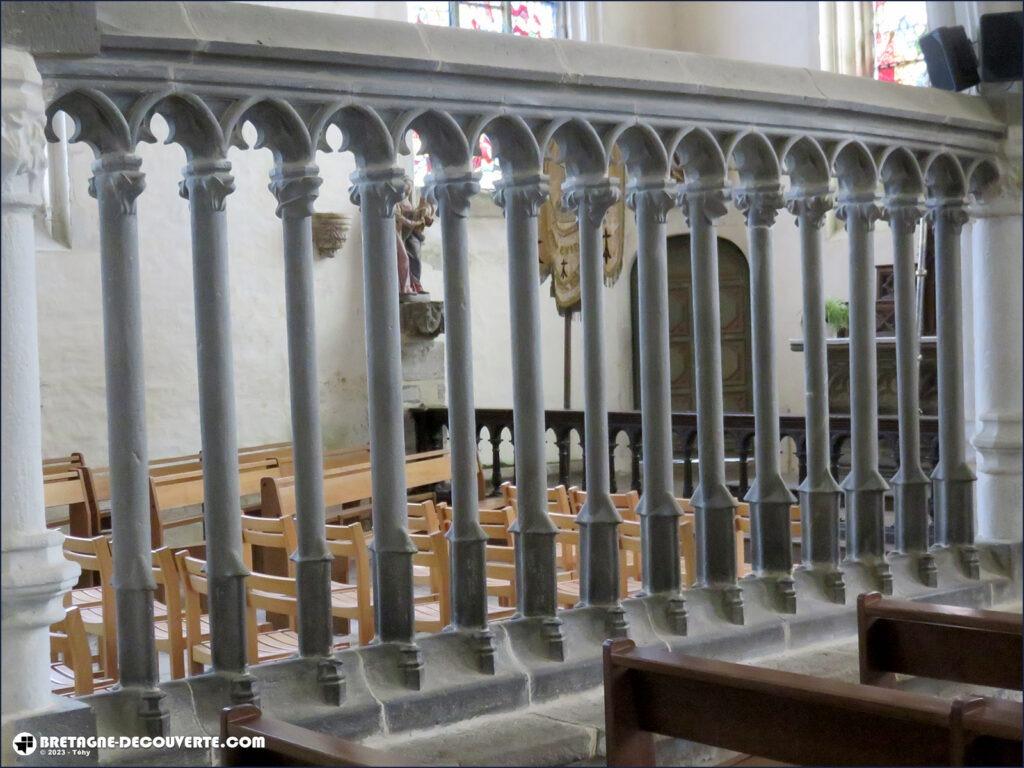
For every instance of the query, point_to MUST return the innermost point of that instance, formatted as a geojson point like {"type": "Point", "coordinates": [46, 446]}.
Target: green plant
{"type": "Point", "coordinates": [837, 314]}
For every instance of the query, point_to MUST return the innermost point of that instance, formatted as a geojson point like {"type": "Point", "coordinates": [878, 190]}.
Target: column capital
{"type": "Point", "coordinates": [530, 192]}
{"type": "Point", "coordinates": [591, 199]}
{"type": "Point", "coordinates": [865, 208]}
{"type": "Point", "coordinates": [902, 212]}
{"type": "Point", "coordinates": [759, 206]}
{"type": "Point", "coordinates": [23, 158]}
{"type": "Point", "coordinates": [295, 187]}
{"type": "Point", "coordinates": [207, 183]}
{"type": "Point", "coordinates": [118, 176]}
{"type": "Point", "coordinates": [708, 203]}
{"type": "Point", "coordinates": [656, 198]}
{"type": "Point", "coordinates": [951, 210]}
{"type": "Point", "coordinates": [380, 191]}
{"type": "Point", "coordinates": [453, 194]}
{"type": "Point", "coordinates": [810, 208]}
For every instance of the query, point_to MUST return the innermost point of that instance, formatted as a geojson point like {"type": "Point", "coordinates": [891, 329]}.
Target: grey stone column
{"type": "Point", "coordinates": [206, 185]}
{"type": "Point", "coordinates": [467, 541]}
{"type": "Point", "coordinates": [295, 186]}
{"type": "Point", "coordinates": [598, 520]}
{"type": "Point", "coordinates": [864, 487]}
{"type": "Point", "coordinates": [533, 530]}
{"type": "Point", "coordinates": [819, 493]}
{"type": "Point", "coordinates": [713, 503]}
{"type": "Point", "coordinates": [769, 498]}
{"type": "Point", "coordinates": [377, 193]}
{"type": "Point", "coordinates": [659, 513]}
{"type": "Point", "coordinates": [909, 484]}
{"type": "Point", "coordinates": [952, 478]}
{"type": "Point", "coordinates": [116, 183]}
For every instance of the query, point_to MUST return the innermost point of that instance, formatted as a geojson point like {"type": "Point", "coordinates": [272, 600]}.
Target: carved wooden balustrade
{"type": "Point", "coordinates": [758, 137]}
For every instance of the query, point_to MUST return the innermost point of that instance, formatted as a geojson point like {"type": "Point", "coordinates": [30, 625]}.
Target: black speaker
{"type": "Point", "coordinates": [999, 45]}
{"type": "Point", "coordinates": [949, 55]}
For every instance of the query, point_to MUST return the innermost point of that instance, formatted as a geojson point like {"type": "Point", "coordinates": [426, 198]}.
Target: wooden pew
{"type": "Point", "coordinates": [944, 642]}
{"type": "Point", "coordinates": [287, 744]}
{"type": "Point", "coordinates": [796, 719]}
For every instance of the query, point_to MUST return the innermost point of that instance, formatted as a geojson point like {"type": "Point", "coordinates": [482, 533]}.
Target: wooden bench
{"type": "Point", "coordinates": [796, 719]}
{"type": "Point", "coordinates": [287, 744]}
{"type": "Point", "coordinates": [944, 642]}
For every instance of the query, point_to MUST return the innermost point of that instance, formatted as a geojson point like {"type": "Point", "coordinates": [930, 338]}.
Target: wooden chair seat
{"type": "Point", "coordinates": [86, 596]}
{"type": "Point", "coordinates": [92, 616]}
{"type": "Point", "coordinates": [62, 680]}
{"type": "Point", "coordinates": [272, 645]}
{"type": "Point", "coordinates": [429, 616]}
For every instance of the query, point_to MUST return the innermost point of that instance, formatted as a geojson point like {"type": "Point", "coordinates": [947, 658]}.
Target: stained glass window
{"type": "Point", "coordinates": [898, 57]}
{"type": "Point", "coordinates": [531, 19]}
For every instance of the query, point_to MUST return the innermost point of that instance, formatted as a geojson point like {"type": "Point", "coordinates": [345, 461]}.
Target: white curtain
{"type": "Point", "coordinates": [847, 37]}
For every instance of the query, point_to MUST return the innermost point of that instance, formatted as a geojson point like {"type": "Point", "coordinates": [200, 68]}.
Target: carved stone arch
{"type": "Point", "coordinates": [279, 128]}
{"type": "Point", "coordinates": [900, 174]}
{"type": "Point", "coordinates": [581, 149]}
{"type": "Point", "coordinates": [515, 144]}
{"type": "Point", "coordinates": [944, 177]}
{"type": "Point", "coordinates": [984, 179]}
{"type": "Point", "coordinates": [807, 166]}
{"type": "Point", "coordinates": [96, 119]}
{"type": "Point", "coordinates": [192, 124]}
{"type": "Point", "coordinates": [442, 136]}
{"type": "Point", "coordinates": [364, 134]}
{"type": "Point", "coordinates": [755, 160]}
{"type": "Point", "coordinates": [643, 151]}
{"type": "Point", "coordinates": [855, 169]}
{"type": "Point", "coordinates": [700, 155]}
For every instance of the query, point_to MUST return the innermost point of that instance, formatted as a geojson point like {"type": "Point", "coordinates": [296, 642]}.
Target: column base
{"type": "Point", "coordinates": [242, 689]}
{"type": "Point", "coordinates": [876, 569]}
{"type": "Point", "coordinates": [829, 580]}
{"type": "Point", "coordinates": [551, 631]}
{"type": "Point", "coordinates": [410, 665]}
{"type": "Point", "coordinates": [151, 712]}
{"type": "Point", "coordinates": [675, 613]}
{"type": "Point", "coordinates": [819, 519]}
{"type": "Point", "coordinates": [926, 570]}
{"type": "Point", "coordinates": [615, 622]}
{"type": "Point", "coordinates": [970, 565]}
{"type": "Point", "coordinates": [781, 588]}
{"type": "Point", "coordinates": [483, 647]}
{"type": "Point", "coordinates": [730, 601]}
{"type": "Point", "coordinates": [330, 681]}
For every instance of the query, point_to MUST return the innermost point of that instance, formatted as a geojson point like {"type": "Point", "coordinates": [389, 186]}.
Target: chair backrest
{"type": "Point", "coordinates": [195, 587]}
{"type": "Point", "coordinates": [65, 484]}
{"type": "Point", "coordinates": [69, 641]}
{"type": "Point", "coordinates": [349, 541]}
{"type": "Point", "coordinates": [625, 503]}
{"type": "Point", "coordinates": [630, 563]}
{"type": "Point", "coordinates": [497, 524]}
{"type": "Point", "coordinates": [567, 541]}
{"type": "Point", "coordinates": [558, 498]}
{"type": "Point", "coordinates": [270, 532]}
{"type": "Point", "coordinates": [92, 554]}
{"type": "Point", "coordinates": [423, 517]}
{"type": "Point", "coordinates": [432, 553]}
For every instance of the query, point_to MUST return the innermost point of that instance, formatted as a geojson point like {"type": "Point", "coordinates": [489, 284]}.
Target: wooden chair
{"type": "Point", "coordinates": [944, 642]}
{"type": "Point", "coordinates": [793, 718]}
{"type": "Point", "coordinates": [352, 601]}
{"type": "Point", "coordinates": [630, 559]}
{"type": "Point", "coordinates": [287, 744]}
{"type": "Point", "coordinates": [625, 503]}
{"type": "Point", "coordinates": [567, 554]}
{"type": "Point", "coordinates": [558, 498]}
{"type": "Point", "coordinates": [501, 574]}
{"type": "Point", "coordinates": [64, 485]}
{"type": "Point", "coordinates": [72, 671]}
{"type": "Point", "coordinates": [96, 604]}
{"type": "Point", "coordinates": [170, 630]}
{"type": "Point", "coordinates": [432, 610]}
{"type": "Point", "coordinates": [496, 522]}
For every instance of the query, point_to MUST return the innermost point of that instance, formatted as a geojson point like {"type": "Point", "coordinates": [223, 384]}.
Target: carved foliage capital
{"type": "Point", "coordinates": [851, 210]}
{"type": "Point", "coordinates": [655, 200]}
{"type": "Point", "coordinates": [207, 184]}
{"type": "Point", "coordinates": [592, 201]}
{"type": "Point", "coordinates": [453, 195]}
{"type": "Point", "coordinates": [295, 190]}
{"type": "Point", "coordinates": [706, 204]}
{"type": "Point", "coordinates": [902, 213]}
{"type": "Point", "coordinates": [759, 207]}
{"type": "Point", "coordinates": [951, 212]}
{"type": "Point", "coordinates": [22, 138]}
{"type": "Point", "coordinates": [810, 209]}
{"type": "Point", "coordinates": [117, 178]}
{"type": "Point", "coordinates": [378, 193]}
{"type": "Point", "coordinates": [529, 193]}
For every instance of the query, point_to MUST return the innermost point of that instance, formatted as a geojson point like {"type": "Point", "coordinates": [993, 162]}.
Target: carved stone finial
{"type": "Point", "coordinates": [207, 183]}
{"type": "Point", "coordinates": [454, 194]}
{"type": "Point", "coordinates": [118, 176]}
{"type": "Point", "coordinates": [380, 191]}
{"type": "Point", "coordinates": [852, 208]}
{"type": "Point", "coordinates": [759, 206]}
{"type": "Point", "coordinates": [809, 208]}
{"type": "Point", "coordinates": [530, 192]}
{"type": "Point", "coordinates": [592, 200]}
{"type": "Point", "coordinates": [295, 189]}
{"type": "Point", "coordinates": [707, 202]}
{"type": "Point", "coordinates": [656, 198]}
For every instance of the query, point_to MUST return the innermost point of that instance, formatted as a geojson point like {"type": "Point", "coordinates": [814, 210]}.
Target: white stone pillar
{"type": "Point", "coordinates": [35, 574]}
{"type": "Point", "coordinates": [998, 376]}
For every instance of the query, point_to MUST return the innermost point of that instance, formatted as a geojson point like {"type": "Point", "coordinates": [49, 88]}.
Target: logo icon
{"type": "Point", "coordinates": [24, 743]}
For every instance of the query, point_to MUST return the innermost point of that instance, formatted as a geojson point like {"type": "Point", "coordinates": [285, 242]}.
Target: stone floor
{"type": "Point", "coordinates": [570, 730]}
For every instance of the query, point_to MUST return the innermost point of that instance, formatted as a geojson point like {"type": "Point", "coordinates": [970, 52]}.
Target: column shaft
{"type": "Point", "coordinates": [296, 190]}
{"type": "Point", "coordinates": [206, 186]}
{"type": "Point", "coordinates": [115, 184]}
{"type": "Point", "coordinates": [534, 531]}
